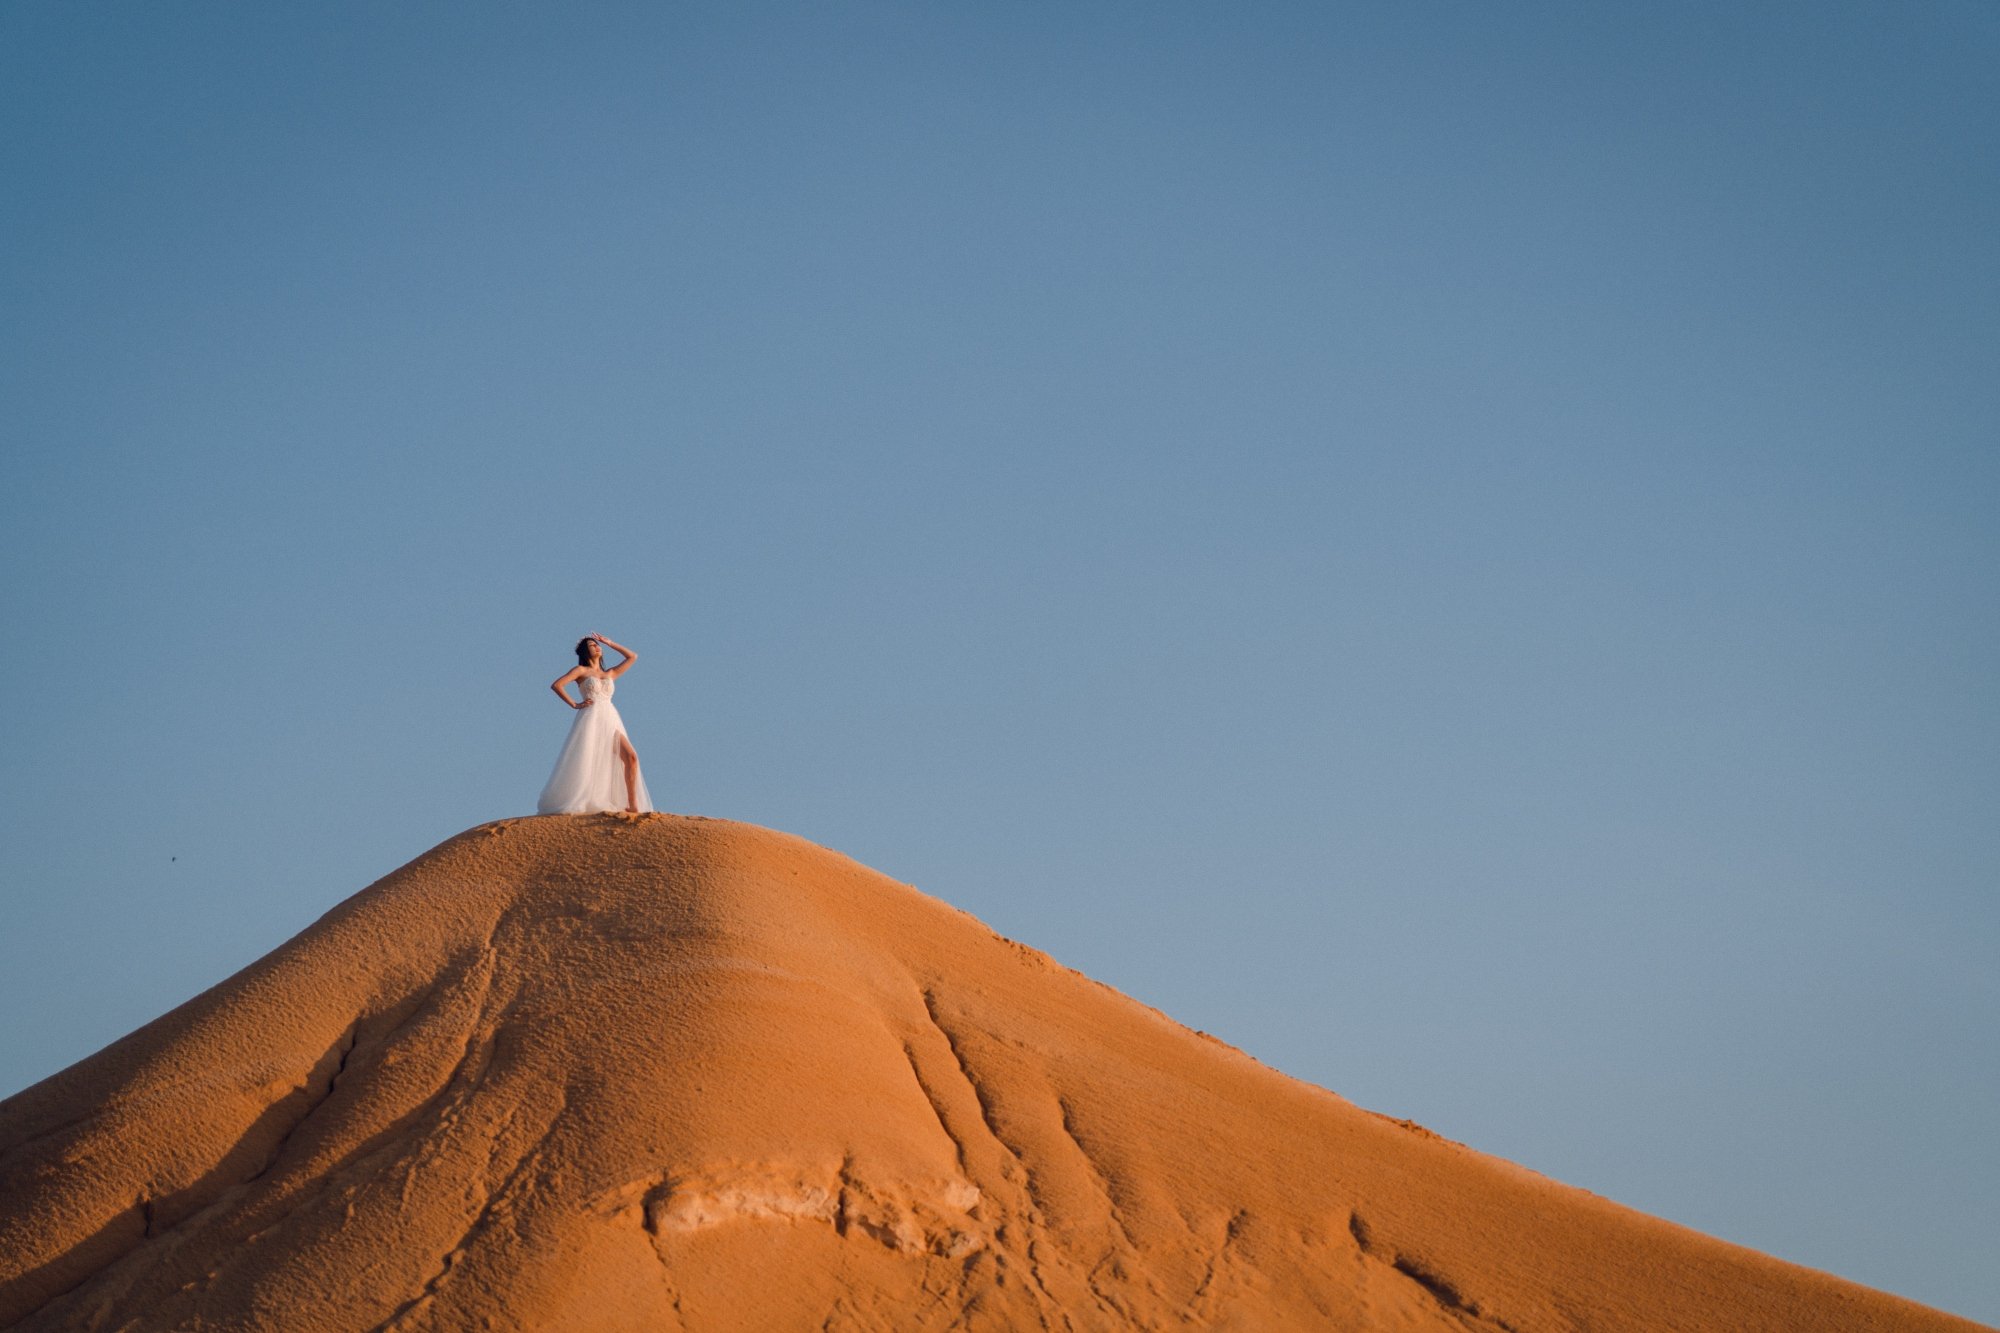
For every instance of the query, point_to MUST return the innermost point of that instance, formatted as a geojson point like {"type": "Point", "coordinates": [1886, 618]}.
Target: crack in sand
{"type": "Point", "coordinates": [1044, 1298]}
{"type": "Point", "coordinates": [489, 1208]}
{"type": "Point", "coordinates": [937, 1109]}
{"type": "Point", "coordinates": [405, 1015]}
{"type": "Point", "coordinates": [1097, 1173]}
{"type": "Point", "coordinates": [147, 1206]}
{"type": "Point", "coordinates": [485, 969]}
{"type": "Point", "coordinates": [345, 1047]}
{"type": "Point", "coordinates": [1441, 1289]}
{"type": "Point", "coordinates": [979, 1094]}
{"type": "Point", "coordinates": [667, 1280]}
{"type": "Point", "coordinates": [1230, 1232]}
{"type": "Point", "coordinates": [1035, 1272]}
{"type": "Point", "coordinates": [455, 1091]}
{"type": "Point", "coordinates": [1109, 1298]}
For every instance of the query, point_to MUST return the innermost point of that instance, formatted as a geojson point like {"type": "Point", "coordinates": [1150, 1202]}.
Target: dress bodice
{"type": "Point", "coordinates": [595, 687]}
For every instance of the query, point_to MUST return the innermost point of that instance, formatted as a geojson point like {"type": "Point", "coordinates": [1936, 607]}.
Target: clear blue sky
{"type": "Point", "coordinates": [1451, 545]}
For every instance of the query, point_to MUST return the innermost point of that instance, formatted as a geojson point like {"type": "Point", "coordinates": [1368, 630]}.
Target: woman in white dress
{"type": "Point", "coordinates": [598, 768]}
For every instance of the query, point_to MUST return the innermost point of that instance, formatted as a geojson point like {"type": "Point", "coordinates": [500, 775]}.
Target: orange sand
{"type": "Point", "coordinates": [605, 1072]}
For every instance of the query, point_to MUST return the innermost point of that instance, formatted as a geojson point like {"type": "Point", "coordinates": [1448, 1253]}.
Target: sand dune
{"type": "Point", "coordinates": [605, 1073]}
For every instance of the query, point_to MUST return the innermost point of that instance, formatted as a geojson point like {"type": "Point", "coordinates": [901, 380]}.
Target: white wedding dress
{"type": "Point", "coordinates": [589, 775]}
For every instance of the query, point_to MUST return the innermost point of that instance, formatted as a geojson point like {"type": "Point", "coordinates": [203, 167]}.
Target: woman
{"type": "Point", "coordinates": [598, 768]}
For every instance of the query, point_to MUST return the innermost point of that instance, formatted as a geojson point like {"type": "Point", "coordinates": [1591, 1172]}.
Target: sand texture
{"type": "Point", "coordinates": [603, 1072]}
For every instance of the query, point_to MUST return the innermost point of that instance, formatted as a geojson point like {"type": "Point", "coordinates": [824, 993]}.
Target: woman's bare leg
{"type": "Point", "coordinates": [630, 758]}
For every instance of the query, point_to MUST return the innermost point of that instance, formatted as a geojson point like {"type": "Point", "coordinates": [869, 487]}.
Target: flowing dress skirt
{"type": "Point", "coordinates": [588, 775]}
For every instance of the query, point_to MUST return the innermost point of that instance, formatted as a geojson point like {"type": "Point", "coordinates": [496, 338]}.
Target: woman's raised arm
{"type": "Point", "coordinates": [630, 656]}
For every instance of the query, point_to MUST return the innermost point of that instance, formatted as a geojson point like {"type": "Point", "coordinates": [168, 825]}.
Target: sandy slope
{"type": "Point", "coordinates": [599, 1072]}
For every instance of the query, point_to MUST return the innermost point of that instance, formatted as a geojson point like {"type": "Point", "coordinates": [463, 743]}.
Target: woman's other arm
{"type": "Point", "coordinates": [564, 679]}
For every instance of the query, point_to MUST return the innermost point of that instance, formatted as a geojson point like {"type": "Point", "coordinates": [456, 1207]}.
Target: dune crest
{"type": "Point", "coordinates": [603, 1072]}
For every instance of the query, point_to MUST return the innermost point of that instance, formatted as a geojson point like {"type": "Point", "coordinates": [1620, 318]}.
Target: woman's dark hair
{"type": "Point", "coordinates": [583, 652]}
